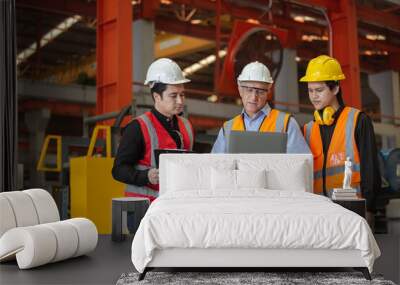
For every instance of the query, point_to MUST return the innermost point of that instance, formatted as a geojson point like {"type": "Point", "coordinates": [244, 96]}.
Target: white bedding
{"type": "Point", "coordinates": [251, 218]}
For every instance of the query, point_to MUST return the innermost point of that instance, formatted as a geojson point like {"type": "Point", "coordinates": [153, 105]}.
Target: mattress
{"type": "Point", "coordinates": [251, 219]}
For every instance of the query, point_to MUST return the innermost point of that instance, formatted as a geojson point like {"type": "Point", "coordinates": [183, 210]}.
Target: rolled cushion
{"type": "Point", "coordinates": [23, 208]}
{"type": "Point", "coordinates": [7, 218]}
{"type": "Point", "coordinates": [46, 208]}
{"type": "Point", "coordinates": [87, 235]}
{"type": "Point", "coordinates": [37, 245]}
{"type": "Point", "coordinates": [33, 246]}
{"type": "Point", "coordinates": [66, 238]}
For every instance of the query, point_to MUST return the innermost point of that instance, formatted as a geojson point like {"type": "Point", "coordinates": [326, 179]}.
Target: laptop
{"type": "Point", "coordinates": [257, 142]}
{"type": "Point", "coordinates": [158, 151]}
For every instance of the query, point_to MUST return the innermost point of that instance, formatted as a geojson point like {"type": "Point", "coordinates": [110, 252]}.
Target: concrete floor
{"type": "Point", "coordinates": [111, 259]}
{"type": "Point", "coordinates": [388, 263]}
{"type": "Point", "coordinates": [102, 266]}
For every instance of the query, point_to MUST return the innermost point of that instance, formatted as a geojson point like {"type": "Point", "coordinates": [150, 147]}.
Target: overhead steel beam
{"type": "Point", "coordinates": [56, 92]}
{"type": "Point", "coordinates": [379, 45]}
{"type": "Point", "coordinates": [175, 26]}
{"type": "Point", "coordinates": [84, 8]}
{"type": "Point", "coordinates": [187, 29]}
{"type": "Point", "coordinates": [328, 4]}
{"type": "Point", "coordinates": [379, 18]}
{"type": "Point", "coordinates": [364, 13]}
{"type": "Point", "coordinates": [66, 7]}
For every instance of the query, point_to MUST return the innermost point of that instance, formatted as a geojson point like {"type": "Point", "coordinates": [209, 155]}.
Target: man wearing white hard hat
{"type": "Point", "coordinates": [254, 84]}
{"type": "Point", "coordinates": [160, 128]}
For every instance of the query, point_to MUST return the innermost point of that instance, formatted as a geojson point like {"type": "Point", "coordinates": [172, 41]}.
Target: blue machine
{"type": "Point", "coordinates": [393, 169]}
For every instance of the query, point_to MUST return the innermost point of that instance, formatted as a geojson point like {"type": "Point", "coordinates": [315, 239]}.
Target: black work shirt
{"type": "Point", "coordinates": [365, 141]}
{"type": "Point", "coordinates": [132, 147]}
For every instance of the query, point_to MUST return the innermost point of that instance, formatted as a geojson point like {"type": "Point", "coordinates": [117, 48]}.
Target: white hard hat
{"type": "Point", "coordinates": [165, 70]}
{"type": "Point", "coordinates": [255, 71]}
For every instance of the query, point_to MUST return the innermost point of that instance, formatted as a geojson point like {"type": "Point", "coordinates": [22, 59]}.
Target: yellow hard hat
{"type": "Point", "coordinates": [323, 68]}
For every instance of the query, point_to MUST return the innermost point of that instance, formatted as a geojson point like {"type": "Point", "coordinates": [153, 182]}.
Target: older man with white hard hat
{"type": "Point", "coordinates": [254, 84]}
{"type": "Point", "coordinates": [161, 128]}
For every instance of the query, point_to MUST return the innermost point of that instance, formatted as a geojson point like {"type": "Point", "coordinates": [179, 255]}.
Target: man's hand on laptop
{"type": "Point", "coordinates": [153, 176]}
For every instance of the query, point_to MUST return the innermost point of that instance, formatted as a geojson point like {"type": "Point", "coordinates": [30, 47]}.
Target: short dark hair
{"type": "Point", "coordinates": [331, 85]}
{"type": "Point", "coordinates": [158, 88]}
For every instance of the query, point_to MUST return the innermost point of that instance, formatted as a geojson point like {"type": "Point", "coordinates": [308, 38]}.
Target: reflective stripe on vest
{"type": "Point", "coordinates": [141, 190]}
{"type": "Point", "coordinates": [142, 167]}
{"type": "Point", "coordinates": [335, 170]}
{"type": "Point", "coordinates": [309, 127]}
{"type": "Point", "coordinates": [153, 137]}
{"type": "Point", "coordinates": [188, 128]}
{"type": "Point", "coordinates": [280, 122]}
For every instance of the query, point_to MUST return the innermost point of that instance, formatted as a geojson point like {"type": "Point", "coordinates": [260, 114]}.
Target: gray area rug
{"type": "Point", "coordinates": [229, 278]}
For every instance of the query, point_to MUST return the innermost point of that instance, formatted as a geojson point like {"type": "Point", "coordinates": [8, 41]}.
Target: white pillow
{"type": "Point", "coordinates": [182, 176]}
{"type": "Point", "coordinates": [251, 178]}
{"type": "Point", "coordinates": [281, 174]}
{"type": "Point", "coordinates": [294, 179]}
{"type": "Point", "coordinates": [224, 179]}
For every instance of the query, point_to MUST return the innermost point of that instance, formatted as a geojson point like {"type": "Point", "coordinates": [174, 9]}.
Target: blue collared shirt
{"type": "Point", "coordinates": [295, 144]}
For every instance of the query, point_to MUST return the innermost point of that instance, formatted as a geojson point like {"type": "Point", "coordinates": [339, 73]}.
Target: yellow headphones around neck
{"type": "Point", "coordinates": [327, 116]}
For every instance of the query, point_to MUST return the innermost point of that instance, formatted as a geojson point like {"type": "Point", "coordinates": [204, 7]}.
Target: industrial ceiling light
{"type": "Point", "coordinates": [196, 21]}
{"type": "Point", "coordinates": [213, 98]}
{"type": "Point", "coordinates": [51, 35]}
{"type": "Point", "coordinates": [375, 37]}
{"type": "Point", "coordinates": [203, 63]}
{"type": "Point", "coordinates": [253, 21]}
{"type": "Point", "coordinates": [166, 2]}
{"type": "Point", "coordinates": [302, 19]}
{"type": "Point", "coordinates": [374, 52]}
{"type": "Point", "coordinates": [310, 38]}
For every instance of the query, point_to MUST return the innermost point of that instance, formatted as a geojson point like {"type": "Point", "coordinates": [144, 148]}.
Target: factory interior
{"type": "Point", "coordinates": [73, 77]}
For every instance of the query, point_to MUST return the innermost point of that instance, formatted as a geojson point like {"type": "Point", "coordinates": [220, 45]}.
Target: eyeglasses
{"type": "Point", "coordinates": [259, 92]}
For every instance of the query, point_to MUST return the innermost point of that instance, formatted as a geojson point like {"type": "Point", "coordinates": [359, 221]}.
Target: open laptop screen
{"type": "Point", "coordinates": [256, 142]}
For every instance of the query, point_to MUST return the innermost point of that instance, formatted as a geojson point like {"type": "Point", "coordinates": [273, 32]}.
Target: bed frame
{"type": "Point", "coordinates": [245, 258]}
{"type": "Point", "coordinates": [242, 259]}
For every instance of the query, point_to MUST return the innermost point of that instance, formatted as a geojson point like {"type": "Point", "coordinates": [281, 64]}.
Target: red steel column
{"type": "Point", "coordinates": [217, 43]}
{"type": "Point", "coordinates": [114, 55]}
{"type": "Point", "coordinates": [345, 49]}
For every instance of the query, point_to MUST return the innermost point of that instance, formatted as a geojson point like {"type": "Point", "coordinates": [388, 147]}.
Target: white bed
{"type": "Point", "coordinates": [247, 210]}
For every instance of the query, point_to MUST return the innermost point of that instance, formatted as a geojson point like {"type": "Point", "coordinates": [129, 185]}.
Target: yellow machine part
{"type": "Point", "coordinates": [92, 188]}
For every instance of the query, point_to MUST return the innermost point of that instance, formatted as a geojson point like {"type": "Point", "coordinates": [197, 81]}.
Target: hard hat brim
{"type": "Point", "coordinates": [321, 78]}
{"type": "Point", "coordinates": [147, 82]}
{"type": "Point", "coordinates": [268, 82]}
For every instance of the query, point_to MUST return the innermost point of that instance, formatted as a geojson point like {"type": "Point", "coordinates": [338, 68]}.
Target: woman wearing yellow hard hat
{"type": "Point", "coordinates": [339, 132]}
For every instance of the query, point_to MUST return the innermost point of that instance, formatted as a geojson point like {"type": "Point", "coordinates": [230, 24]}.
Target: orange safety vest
{"type": "Point", "coordinates": [157, 137]}
{"type": "Point", "coordinates": [342, 145]}
{"type": "Point", "coordinates": [276, 121]}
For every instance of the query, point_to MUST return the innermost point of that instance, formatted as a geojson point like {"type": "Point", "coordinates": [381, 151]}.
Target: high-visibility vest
{"type": "Point", "coordinates": [342, 145]}
{"type": "Point", "coordinates": [276, 121]}
{"type": "Point", "coordinates": [157, 137]}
